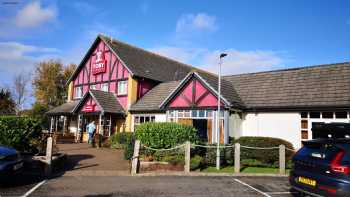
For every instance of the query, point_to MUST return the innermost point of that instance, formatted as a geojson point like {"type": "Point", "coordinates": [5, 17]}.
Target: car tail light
{"type": "Point", "coordinates": [337, 167]}
{"type": "Point", "coordinates": [327, 189]}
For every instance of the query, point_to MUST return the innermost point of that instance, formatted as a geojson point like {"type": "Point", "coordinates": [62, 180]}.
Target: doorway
{"type": "Point", "coordinates": [201, 126]}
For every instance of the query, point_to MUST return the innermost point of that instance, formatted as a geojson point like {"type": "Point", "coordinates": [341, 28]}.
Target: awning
{"type": "Point", "coordinates": [64, 109]}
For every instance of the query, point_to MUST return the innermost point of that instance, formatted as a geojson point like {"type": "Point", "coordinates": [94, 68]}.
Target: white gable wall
{"type": "Point", "coordinates": [279, 125]}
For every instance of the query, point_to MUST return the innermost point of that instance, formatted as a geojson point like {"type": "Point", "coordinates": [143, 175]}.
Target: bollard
{"type": "Point", "coordinates": [187, 156]}
{"type": "Point", "coordinates": [135, 158]}
{"type": "Point", "coordinates": [237, 158]}
{"type": "Point", "coordinates": [282, 159]}
{"type": "Point", "coordinates": [49, 147]}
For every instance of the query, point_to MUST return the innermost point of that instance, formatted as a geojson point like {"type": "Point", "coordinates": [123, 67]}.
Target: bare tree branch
{"type": "Point", "coordinates": [20, 91]}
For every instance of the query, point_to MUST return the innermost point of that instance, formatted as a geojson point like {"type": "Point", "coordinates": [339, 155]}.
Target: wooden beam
{"type": "Point", "coordinates": [202, 97]}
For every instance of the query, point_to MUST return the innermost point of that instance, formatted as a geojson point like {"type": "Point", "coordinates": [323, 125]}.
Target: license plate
{"type": "Point", "coordinates": [17, 166]}
{"type": "Point", "coordinates": [307, 181]}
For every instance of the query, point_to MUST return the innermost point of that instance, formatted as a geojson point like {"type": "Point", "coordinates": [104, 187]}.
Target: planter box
{"type": "Point", "coordinates": [154, 166]}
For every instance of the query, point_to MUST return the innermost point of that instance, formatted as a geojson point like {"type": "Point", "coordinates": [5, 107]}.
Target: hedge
{"type": "Point", "coordinates": [165, 134]}
{"type": "Point", "coordinates": [20, 132]}
{"type": "Point", "coordinates": [262, 157]}
{"type": "Point", "coordinates": [120, 140]}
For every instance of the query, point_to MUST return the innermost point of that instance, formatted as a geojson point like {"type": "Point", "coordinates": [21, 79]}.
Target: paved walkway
{"type": "Point", "coordinates": [83, 160]}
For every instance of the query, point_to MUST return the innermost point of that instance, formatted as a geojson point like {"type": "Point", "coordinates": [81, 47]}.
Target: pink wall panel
{"type": "Point", "coordinates": [209, 101]}
{"type": "Point", "coordinates": [126, 73]}
{"type": "Point", "coordinates": [123, 100]}
{"type": "Point", "coordinates": [179, 102]}
{"type": "Point", "coordinates": [144, 86]}
{"type": "Point", "coordinates": [114, 61]}
{"type": "Point", "coordinates": [187, 91]}
{"type": "Point", "coordinates": [85, 89]}
{"type": "Point", "coordinates": [90, 102]}
{"type": "Point", "coordinates": [120, 71]}
{"type": "Point", "coordinates": [112, 87]}
{"type": "Point", "coordinates": [200, 89]}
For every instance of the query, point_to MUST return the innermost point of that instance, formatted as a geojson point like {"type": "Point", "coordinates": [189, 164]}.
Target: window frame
{"type": "Point", "coordinates": [104, 85]}
{"type": "Point", "coordinates": [78, 89]}
{"type": "Point", "coordinates": [125, 92]}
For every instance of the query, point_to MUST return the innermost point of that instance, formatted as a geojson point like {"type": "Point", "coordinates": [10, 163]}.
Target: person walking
{"type": "Point", "coordinates": [91, 128]}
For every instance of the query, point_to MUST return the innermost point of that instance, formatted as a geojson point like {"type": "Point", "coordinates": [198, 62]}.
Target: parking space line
{"type": "Point", "coordinates": [253, 188]}
{"type": "Point", "coordinates": [281, 193]}
{"type": "Point", "coordinates": [34, 188]}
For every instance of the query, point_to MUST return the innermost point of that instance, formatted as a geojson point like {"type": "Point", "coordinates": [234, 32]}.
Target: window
{"type": "Point", "coordinates": [341, 114]}
{"type": "Point", "coordinates": [314, 114]}
{"type": "Point", "coordinates": [303, 114]}
{"type": "Point", "coordinates": [78, 92]}
{"type": "Point", "coordinates": [122, 87]}
{"type": "Point", "coordinates": [327, 114]}
{"type": "Point", "coordinates": [304, 135]}
{"type": "Point", "coordinates": [139, 119]}
{"type": "Point", "coordinates": [304, 124]}
{"type": "Point", "coordinates": [104, 87]}
{"type": "Point", "coordinates": [93, 87]}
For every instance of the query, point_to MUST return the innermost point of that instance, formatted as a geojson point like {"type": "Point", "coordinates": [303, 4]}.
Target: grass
{"type": "Point", "coordinates": [230, 169]}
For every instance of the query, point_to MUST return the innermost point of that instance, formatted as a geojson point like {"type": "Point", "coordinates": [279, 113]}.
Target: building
{"type": "Point", "coordinates": [121, 86]}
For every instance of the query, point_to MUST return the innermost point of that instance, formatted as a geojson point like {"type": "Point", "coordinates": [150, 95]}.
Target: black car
{"type": "Point", "coordinates": [11, 162]}
{"type": "Point", "coordinates": [322, 168]}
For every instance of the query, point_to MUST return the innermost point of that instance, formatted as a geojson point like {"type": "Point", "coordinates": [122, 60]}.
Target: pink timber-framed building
{"type": "Point", "coordinates": [121, 86]}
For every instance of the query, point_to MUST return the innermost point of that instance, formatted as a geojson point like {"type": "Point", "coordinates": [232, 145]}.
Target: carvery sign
{"type": "Point", "coordinates": [100, 63]}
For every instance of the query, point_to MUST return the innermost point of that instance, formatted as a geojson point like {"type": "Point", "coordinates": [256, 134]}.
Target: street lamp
{"type": "Point", "coordinates": [222, 55]}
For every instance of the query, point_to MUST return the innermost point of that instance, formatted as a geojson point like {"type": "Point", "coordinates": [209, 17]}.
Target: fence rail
{"type": "Point", "coordinates": [187, 152]}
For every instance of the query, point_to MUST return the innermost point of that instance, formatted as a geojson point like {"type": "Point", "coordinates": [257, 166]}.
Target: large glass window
{"type": "Point", "coordinates": [139, 119]}
{"type": "Point", "coordinates": [122, 87]}
{"type": "Point", "coordinates": [78, 92]}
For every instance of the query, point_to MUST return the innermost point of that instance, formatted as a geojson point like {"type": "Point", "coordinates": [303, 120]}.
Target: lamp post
{"type": "Point", "coordinates": [222, 55]}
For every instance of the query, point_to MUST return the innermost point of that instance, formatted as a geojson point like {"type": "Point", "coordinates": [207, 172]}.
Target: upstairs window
{"type": "Point", "coordinates": [104, 87]}
{"type": "Point", "coordinates": [78, 92]}
{"type": "Point", "coordinates": [93, 87]}
{"type": "Point", "coordinates": [122, 87]}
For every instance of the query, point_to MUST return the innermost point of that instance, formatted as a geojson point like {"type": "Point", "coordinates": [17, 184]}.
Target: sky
{"type": "Point", "coordinates": [257, 35]}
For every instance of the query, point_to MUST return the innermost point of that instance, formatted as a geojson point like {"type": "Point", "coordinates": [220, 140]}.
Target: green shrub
{"type": "Point", "coordinates": [165, 134]}
{"type": "Point", "coordinates": [20, 132]}
{"type": "Point", "coordinates": [129, 147]}
{"type": "Point", "coordinates": [175, 159]}
{"type": "Point", "coordinates": [196, 162]}
{"type": "Point", "coordinates": [266, 157]}
{"type": "Point", "coordinates": [120, 140]}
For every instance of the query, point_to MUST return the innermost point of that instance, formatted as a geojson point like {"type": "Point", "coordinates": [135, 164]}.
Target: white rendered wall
{"type": "Point", "coordinates": [235, 126]}
{"type": "Point", "coordinates": [280, 125]}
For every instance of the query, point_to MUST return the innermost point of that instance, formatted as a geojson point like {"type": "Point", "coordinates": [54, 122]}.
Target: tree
{"type": "Point", "coordinates": [7, 104]}
{"type": "Point", "coordinates": [49, 83]}
{"type": "Point", "coordinates": [20, 91]}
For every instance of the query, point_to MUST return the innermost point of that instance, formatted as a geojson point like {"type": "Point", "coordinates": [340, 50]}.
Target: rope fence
{"type": "Point", "coordinates": [183, 152]}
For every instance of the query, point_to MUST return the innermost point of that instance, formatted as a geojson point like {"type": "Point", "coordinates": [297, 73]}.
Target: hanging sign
{"type": "Point", "coordinates": [100, 63]}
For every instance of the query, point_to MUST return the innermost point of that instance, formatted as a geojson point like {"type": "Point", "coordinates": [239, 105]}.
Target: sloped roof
{"type": "Point", "coordinates": [153, 98]}
{"type": "Point", "coordinates": [65, 108]}
{"type": "Point", "coordinates": [107, 101]}
{"type": "Point", "coordinates": [315, 86]}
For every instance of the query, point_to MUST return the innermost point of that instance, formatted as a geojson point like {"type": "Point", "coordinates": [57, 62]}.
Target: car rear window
{"type": "Point", "coordinates": [323, 152]}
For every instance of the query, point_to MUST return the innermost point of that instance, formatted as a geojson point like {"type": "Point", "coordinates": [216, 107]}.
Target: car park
{"type": "Point", "coordinates": [322, 166]}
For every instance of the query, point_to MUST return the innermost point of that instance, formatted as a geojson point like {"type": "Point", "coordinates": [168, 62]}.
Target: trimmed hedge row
{"type": "Point", "coordinates": [165, 134]}
{"type": "Point", "coordinates": [21, 133]}
{"type": "Point", "coordinates": [262, 157]}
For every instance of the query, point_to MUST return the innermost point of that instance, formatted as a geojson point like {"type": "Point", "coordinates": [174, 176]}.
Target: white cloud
{"type": "Point", "coordinates": [33, 15]}
{"type": "Point", "coordinates": [236, 62]}
{"type": "Point", "coordinates": [17, 57]}
{"type": "Point", "coordinates": [196, 22]}
{"type": "Point", "coordinates": [243, 61]}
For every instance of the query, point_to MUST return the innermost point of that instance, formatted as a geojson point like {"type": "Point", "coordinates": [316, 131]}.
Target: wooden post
{"type": "Point", "coordinates": [187, 157]}
{"type": "Point", "coordinates": [135, 158]}
{"type": "Point", "coordinates": [282, 159]}
{"type": "Point", "coordinates": [48, 156]}
{"type": "Point", "coordinates": [77, 135]}
{"type": "Point", "coordinates": [237, 157]}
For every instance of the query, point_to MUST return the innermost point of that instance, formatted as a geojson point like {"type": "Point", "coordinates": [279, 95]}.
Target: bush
{"type": "Point", "coordinates": [129, 146]}
{"type": "Point", "coordinates": [120, 140]}
{"type": "Point", "coordinates": [196, 162]}
{"type": "Point", "coordinates": [266, 157]}
{"type": "Point", "coordinates": [175, 159]}
{"type": "Point", "coordinates": [20, 132]}
{"type": "Point", "coordinates": [165, 134]}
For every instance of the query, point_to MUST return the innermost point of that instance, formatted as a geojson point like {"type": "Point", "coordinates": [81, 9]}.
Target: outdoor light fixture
{"type": "Point", "coordinates": [222, 55]}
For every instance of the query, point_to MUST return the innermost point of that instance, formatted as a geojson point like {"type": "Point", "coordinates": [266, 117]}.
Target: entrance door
{"type": "Point", "coordinates": [201, 126]}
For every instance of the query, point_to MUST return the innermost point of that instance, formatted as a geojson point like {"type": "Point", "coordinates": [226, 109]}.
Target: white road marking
{"type": "Point", "coordinates": [34, 188]}
{"type": "Point", "coordinates": [253, 188]}
{"type": "Point", "coordinates": [276, 193]}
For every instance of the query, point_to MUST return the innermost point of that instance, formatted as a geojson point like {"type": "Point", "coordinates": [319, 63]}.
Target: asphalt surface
{"type": "Point", "coordinates": [128, 186]}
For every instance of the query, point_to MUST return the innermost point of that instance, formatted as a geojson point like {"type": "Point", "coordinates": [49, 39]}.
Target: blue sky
{"type": "Point", "coordinates": [257, 35]}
